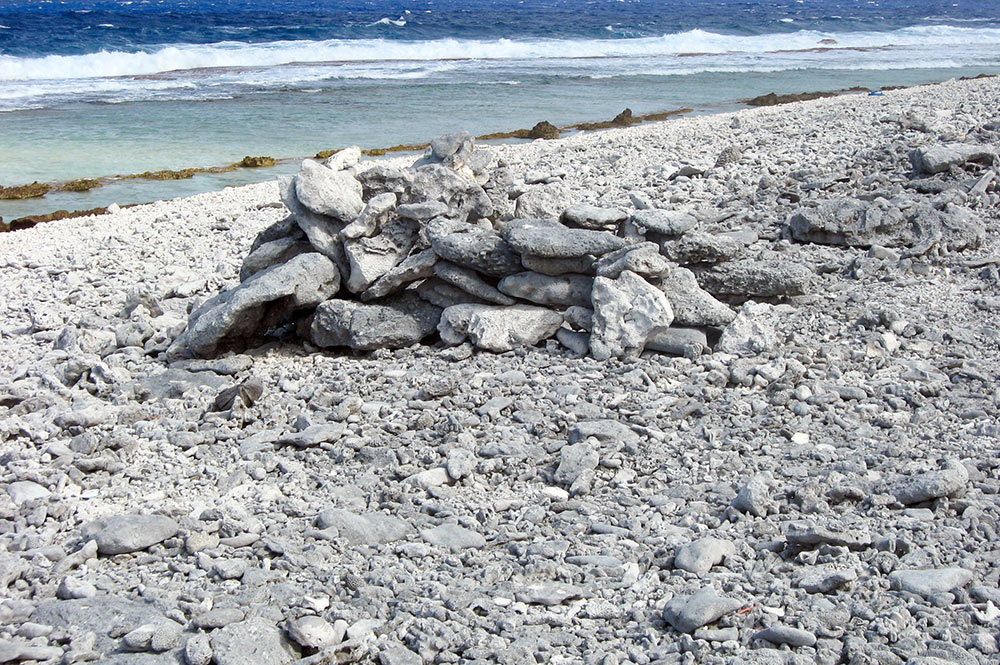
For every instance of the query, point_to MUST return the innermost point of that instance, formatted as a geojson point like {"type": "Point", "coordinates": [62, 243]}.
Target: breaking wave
{"type": "Point", "coordinates": [186, 57]}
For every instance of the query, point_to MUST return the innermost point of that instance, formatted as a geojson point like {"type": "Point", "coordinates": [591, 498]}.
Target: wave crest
{"type": "Point", "coordinates": [243, 55]}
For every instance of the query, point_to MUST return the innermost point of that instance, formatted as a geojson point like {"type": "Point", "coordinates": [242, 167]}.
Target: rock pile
{"type": "Point", "coordinates": [385, 257]}
{"type": "Point", "coordinates": [831, 499]}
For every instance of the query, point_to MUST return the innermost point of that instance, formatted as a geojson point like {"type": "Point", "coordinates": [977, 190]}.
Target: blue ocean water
{"type": "Point", "coordinates": [98, 88]}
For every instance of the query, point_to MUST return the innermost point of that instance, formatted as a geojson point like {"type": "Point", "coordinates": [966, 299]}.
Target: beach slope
{"type": "Point", "coordinates": [819, 487]}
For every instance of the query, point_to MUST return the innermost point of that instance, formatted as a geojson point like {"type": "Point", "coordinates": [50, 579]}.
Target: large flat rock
{"type": "Point", "coordinates": [548, 238]}
{"type": "Point", "coordinates": [238, 316]}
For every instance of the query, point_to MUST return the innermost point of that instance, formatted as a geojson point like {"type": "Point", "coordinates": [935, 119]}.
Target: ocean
{"type": "Point", "coordinates": [104, 88]}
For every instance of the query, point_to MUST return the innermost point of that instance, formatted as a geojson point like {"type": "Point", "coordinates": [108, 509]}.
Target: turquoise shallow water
{"type": "Point", "coordinates": [98, 88]}
{"type": "Point", "coordinates": [79, 141]}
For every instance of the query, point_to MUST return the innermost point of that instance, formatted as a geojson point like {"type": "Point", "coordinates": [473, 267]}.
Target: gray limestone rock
{"type": "Point", "coordinates": [23, 491]}
{"type": "Point", "coordinates": [805, 534]}
{"type": "Point", "coordinates": [938, 158]}
{"type": "Point", "coordinates": [688, 613]}
{"type": "Point", "coordinates": [239, 315]}
{"type": "Point", "coordinates": [700, 555]}
{"type": "Point", "coordinates": [644, 259]}
{"type": "Point", "coordinates": [313, 632]}
{"type": "Point", "coordinates": [461, 463]}
{"type": "Point", "coordinates": [847, 222]}
{"type": "Point", "coordinates": [581, 265]}
{"type": "Point", "coordinates": [577, 343]}
{"type": "Point", "coordinates": [11, 652]}
{"type": "Point", "coordinates": [952, 228]}
{"type": "Point", "coordinates": [470, 282]}
{"type": "Point", "coordinates": [580, 318]}
{"type": "Point", "coordinates": [753, 331]}
{"type": "Point", "coordinates": [272, 253]}
{"type": "Point", "coordinates": [435, 182]}
{"type": "Point", "coordinates": [948, 481]}
{"type": "Point", "coordinates": [717, 634]}
{"type": "Point", "coordinates": [627, 311]}
{"type": "Point", "coordinates": [344, 159]}
{"type": "Point", "coordinates": [473, 247]}
{"type": "Point", "coordinates": [71, 588]}
{"type": "Point", "coordinates": [322, 231]}
{"type": "Point", "coordinates": [686, 342]}
{"type": "Point", "coordinates": [755, 496]}
{"type": "Point", "coordinates": [794, 637]}
{"type": "Point", "coordinates": [555, 291]}
{"type": "Point", "coordinates": [670, 223]}
{"type": "Point", "coordinates": [548, 594]}
{"type": "Point", "coordinates": [543, 201]}
{"type": "Point", "coordinates": [451, 145]}
{"type": "Point", "coordinates": [593, 217]}
{"type": "Point", "coordinates": [254, 640]}
{"type": "Point", "coordinates": [453, 537]}
{"type": "Point", "coordinates": [767, 656]}
{"type": "Point", "coordinates": [370, 258]}
{"type": "Point", "coordinates": [362, 528]}
{"type": "Point", "coordinates": [286, 227]}
{"type": "Point", "coordinates": [395, 322]}
{"type": "Point", "coordinates": [931, 581]}
{"type": "Point", "coordinates": [314, 435]}
{"type": "Point", "coordinates": [883, 223]}
{"type": "Point", "coordinates": [610, 433]}
{"type": "Point", "coordinates": [336, 194]}
{"type": "Point", "coordinates": [97, 615]}
{"type": "Point", "coordinates": [381, 178]}
{"type": "Point", "coordinates": [370, 221]}
{"type": "Point", "coordinates": [699, 247]}
{"type": "Point", "coordinates": [413, 268]}
{"type": "Point", "coordinates": [422, 211]}
{"type": "Point", "coordinates": [399, 655]}
{"type": "Point", "coordinates": [122, 534]}
{"type": "Point", "coordinates": [692, 305]}
{"type": "Point", "coordinates": [756, 278]}
{"type": "Point", "coordinates": [198, 650]}
{"type": "Point", "coordinates": [444, 294]}
{"type": "Point", "coordinates": [823, 579]}
{"type": "Point", "coordinates": [548, 238]}
{"type": "Point", "coordinates": [498, 329]}
{"type": "Point", "coordinates": [157, 636]}
{"type": "Point", "coordinates": [219, 617]}
{"type": "Point", "coordinates": [574, 461]}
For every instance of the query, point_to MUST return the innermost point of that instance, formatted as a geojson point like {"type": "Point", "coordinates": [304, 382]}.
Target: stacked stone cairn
{"type": "Point", "coordinates": [384, 257]}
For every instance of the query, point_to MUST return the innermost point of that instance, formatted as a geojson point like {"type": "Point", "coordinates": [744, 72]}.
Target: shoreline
{"type": "Point", "coordinates": [542, 129]}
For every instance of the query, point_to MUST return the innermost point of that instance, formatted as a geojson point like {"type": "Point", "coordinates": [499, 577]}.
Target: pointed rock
{"type": "Point", "coordinates": [626, 311]}
{"type": "Point", "coordinates": [236, 316]}
{"type": "Point", "coordinates": [336, 194]}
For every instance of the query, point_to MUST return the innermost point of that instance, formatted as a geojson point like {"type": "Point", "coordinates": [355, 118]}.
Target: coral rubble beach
{"type": "Point", "coordinates": [821, 488]}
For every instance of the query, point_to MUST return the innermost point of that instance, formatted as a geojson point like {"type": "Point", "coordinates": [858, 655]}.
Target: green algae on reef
{"type": "Point", "coordinates": [32, 191]}
{"type": "Point", "coordinates": [32, 220]}
{"type": "Point", "coordinates": [541, 130]}
{"type": "Point", "coordinates": [81, 185]}
{"type": "Point", "coordinates": [249, 162]}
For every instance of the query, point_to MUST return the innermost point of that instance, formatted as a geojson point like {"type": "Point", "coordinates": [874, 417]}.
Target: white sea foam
{"type": "Point", "coordinates": [238, 54]}
{"type": "Point", "coordinates": [399, 22]}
